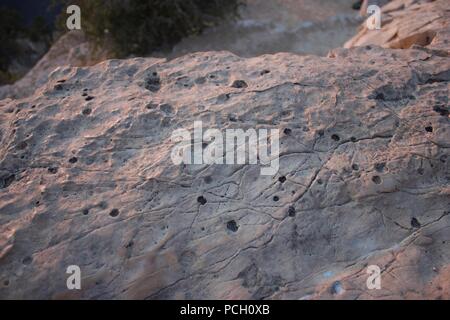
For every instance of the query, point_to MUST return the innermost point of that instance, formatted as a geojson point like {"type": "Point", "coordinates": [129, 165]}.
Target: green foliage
{"type": "Point", "coordinates": [138, 27]}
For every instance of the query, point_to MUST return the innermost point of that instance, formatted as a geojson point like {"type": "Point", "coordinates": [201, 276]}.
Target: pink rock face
{"type": "Point", "coordinates": [86, 179]}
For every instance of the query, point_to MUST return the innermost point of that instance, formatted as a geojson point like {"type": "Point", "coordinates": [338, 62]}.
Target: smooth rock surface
{"type": "Point", "coordinates": [86, 179]}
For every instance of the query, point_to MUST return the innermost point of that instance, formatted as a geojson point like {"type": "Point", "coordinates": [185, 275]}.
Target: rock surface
{"type": "Point", "coordinates": [86, 179]}
{"type": "Point", "coordinates": [406, 23]}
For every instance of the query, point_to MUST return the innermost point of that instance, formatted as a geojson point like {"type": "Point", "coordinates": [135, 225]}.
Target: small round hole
{"type": "Point", "coordinates": [114, 213]}
{"type": "Point", "coordinates": [376, 179]}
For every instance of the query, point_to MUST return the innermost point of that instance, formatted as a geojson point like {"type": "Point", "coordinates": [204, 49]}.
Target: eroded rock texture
{"type": "Point", "coordinates": [86, 179]}
{"type": "Point", "coordinates": [406, 23]}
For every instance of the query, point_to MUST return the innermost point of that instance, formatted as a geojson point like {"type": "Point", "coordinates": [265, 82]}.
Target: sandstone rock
{"type": "Point", "coordinates": [86, 179]}
{"type": "Point", "coordinates": [406, 23]}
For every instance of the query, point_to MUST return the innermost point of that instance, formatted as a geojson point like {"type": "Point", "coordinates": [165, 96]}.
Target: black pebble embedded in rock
{"type": "Point", "coordinates": [232, 226]}
{"type": "Point", "coordinates": [201, 200]}
{"type": "Point", "coordinates": [415, 223]}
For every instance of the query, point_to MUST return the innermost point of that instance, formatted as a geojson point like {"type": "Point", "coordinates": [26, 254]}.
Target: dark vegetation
{"type": "Point", "coordinates": [15, 37]}
{"type": "Point", "coordinates": [138, 27]}
{"type": "Point", "coordinates": [124, 27]}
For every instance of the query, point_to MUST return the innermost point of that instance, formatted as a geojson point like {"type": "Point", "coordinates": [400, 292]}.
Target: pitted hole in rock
{"type": "Point", "coordinates": [429, 129]}
{"type": "Point", "coordinates": [379, 167]}
{"type": "Point", "coordinates": [84, 94]}
{"type": "Point", "coordinates": [287, 131]}
{"type": "Point", "coordinates": [89, 98]}
{"type": "Point", "coordinates": [103, 205]}
{"type": "Point", "coordinates": [201, 200]}
{"type": "Point", "coordinates": [73, 160]}
{"type": "Point", "coordinates": [443, 158]}
{"type": "Point", "coordinates": [232, 226]}
{"type": "Point", "coordinates": [204, 145]}
{"type": "Point", "coordinates": [335, 137]}
{"type": "Point", "coordinates": [151, 106]}
{"type": "Point", "coordinates": [264, 72]}
{"type": "Point", "coordinates": [129, 244]}
{"type": "Point", "coordinates": [166, 108]}
{"type": "Point", "coordinates": [153, 82]}
{"type": "Point", "coordinates": [421, 171]}
{"type": "Point", "coordinates": [355, 167]}
{"type": "Point", "coordinates": [200, 80]}
{"type": "Point", "coordinates": [6, 283]}
{"type": "Point", "coordinates": [86, 111]}
{"type": "Point", "coordinates": [207, 180]}
{"type": "Point", "coordinates": [276, 198]}
{"type": "Point", "coordinates": [282, 179]}
{"type": "Point", "coordinates": [52, 170]}
{"type": "Point", "coordinates": [27, 260]}
{"type": "Point", "coordinates": [415, 223]}
{"type": "Point", "coordinates": [441, 110]}
{"type": "Point", "coordinates": [232, 118]}
{"type": "Point", "coordinates": [7, 180]}
{"type": "Point", "coordinates": [291, 211]}
{"type": "Point", "coordinates": [376, 179]}
{"type": "Point", "coordinates": [85, 212]}
{"type": "Point", "coordinates": [320, 181]}
{"type": "Point", "coordinates": [114, 212]}
{"type": "Point", "coordinates": [239, 84]}
{"type": "Point", "coordinates": [336, 288]}
{"type": "Point", "coordinates": [22, 145]}
{"type": "Point", "coordinates": [320, 133]}
{"type": "Point", "coordinates": [353, 139]}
